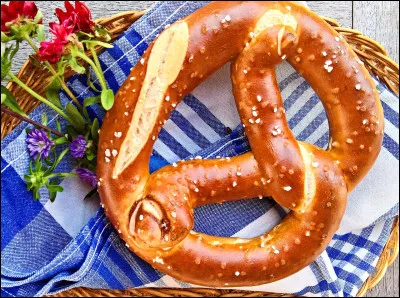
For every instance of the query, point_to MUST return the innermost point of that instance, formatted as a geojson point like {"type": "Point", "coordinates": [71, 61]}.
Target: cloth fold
{"type": "Point", "coordinates": [51, 247]}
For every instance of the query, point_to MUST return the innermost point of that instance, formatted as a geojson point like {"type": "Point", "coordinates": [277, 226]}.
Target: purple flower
{"type": "Point", "coordinates": [78, 147]}
{"type": "Point", "coordinates": [38, 143]}
{"type": "Point", "coordinates": [87, 176]}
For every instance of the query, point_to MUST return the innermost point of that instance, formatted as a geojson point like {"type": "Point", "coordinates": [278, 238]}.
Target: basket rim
{"type": "Point", "coordinates": [391, 249]}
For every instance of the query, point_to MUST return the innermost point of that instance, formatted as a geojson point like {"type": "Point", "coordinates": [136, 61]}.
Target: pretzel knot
{"type": "Point", "coordinates": [154, 213]}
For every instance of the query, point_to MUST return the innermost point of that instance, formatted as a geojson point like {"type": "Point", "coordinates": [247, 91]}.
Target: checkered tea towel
{"type": "Point", "coordinates": [51, 247]}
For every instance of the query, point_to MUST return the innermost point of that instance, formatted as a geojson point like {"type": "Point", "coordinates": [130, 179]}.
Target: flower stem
{"type": "Point", "coordinates": [96, 70]}
{"type": "Point", "coordinates": [31, 43]}
{"type": "Point", "coordinates": [54, 73]}
{"type": "Point", "coordinates": [37, 96]}
{"type": "Point", "coordinates": [37, 124]}
{"type": "Point", "coordinates": [96, 59]}
{"type": "Point", "coordinates": [63, 85]}
{"type": "Point", "coordinates": [62, 175]}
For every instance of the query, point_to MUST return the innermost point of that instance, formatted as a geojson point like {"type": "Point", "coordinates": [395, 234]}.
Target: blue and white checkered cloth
{"type": "Point", "coordinates": [51, 247]}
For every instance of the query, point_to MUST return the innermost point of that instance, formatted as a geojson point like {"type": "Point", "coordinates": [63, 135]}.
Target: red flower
{"type": "Point", "coordinates": [50, 51]}
{"type": "Point", "coordinates": [63, 31]}
{"type": "Point", "coordinates": [80, 13]}
{"type": "Point", "coordinates": [16, 12]}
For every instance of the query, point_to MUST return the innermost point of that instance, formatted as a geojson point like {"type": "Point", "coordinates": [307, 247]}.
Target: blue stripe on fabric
{"type": "Point", "coordinates": [110, 77]}
{"type": "Point", "coordinates": [390, 114]}
{"type": "Point", "coordinates": [352, 238]}
{"type": "Point", "coordinates": [118, 54]}
{"type": "Point", "coordinates": [304, 110]}
{"type": "Point", "coordinates": [348, 277]}
{"type": "Point", "coordinates": [25, 209]}
{"type": "Point", "coordinates": [295, 95]}
{"type": "Point", "coordinates": [322, 286]}
{"type": "Point", "coordinates": [391, 146]}
{"type": "Point", "coordinates": [151, 274]}
{"type": "Point", "coordinates": [136, 40]}
{"type": "Point", "coordinates": [10, 292]}
{"type": "Point", "coordinates": [322, 142]}
{"type": "Point", "coordinates": [302, 136]}
{"type": "Point", "coordinates": [173, 144]}
{"type": "Point", "coordinates": [205, 114]}
{"type": "Point", "coordinates": [351, 258]}
{"type": "Point", "coordinates": [109, 277]}
{"type": "Point", "coordinates": [112, 83]}
{"type": "Point", "coordinates": [83, 79]}
{"type": "Point", "coordinates": [320, 271]}
{"type": "Point", "coordinates": [157, 162]}
{"type": "Point", "coordinates": [189, 129]}
{"type": "Point", "coordinates": [285, 82]}
{"type": "Point", "coordinates": [125, 267]}
{"type": "Point", "coordinates": [361, 242]}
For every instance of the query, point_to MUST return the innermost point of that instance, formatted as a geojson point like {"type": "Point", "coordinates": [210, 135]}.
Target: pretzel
{"type": "Point", "coordinates": [154, 213]}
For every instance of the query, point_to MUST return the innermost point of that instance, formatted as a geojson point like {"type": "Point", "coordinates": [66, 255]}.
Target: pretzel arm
{"type": "Point", "coordinates": [212, 261]}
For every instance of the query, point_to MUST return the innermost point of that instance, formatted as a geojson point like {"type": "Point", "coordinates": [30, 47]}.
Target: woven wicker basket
{"type": "Point", "coordinates": [370, 52]}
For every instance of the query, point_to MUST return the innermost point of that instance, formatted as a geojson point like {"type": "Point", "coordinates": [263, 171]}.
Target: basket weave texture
{"type": "Point", "coordinates": [369, 51]}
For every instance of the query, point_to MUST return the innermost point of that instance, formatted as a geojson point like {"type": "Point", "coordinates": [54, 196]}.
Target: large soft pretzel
{"type": "Point", "coordinates": [154, 213]}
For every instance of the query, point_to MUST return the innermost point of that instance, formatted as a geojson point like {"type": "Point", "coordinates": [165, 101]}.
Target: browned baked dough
{"type": "Point", "coordinates": [154, 213]}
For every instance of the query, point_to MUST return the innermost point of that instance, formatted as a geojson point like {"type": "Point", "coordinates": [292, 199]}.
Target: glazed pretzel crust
{"type": "Point", "coordinates": [154, 213]}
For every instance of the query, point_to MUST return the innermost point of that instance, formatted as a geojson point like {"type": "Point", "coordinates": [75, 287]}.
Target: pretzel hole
{"type": "Point", "coordinates": [306, 115]}
{"type": "Point", "coordinates": [264, 213]}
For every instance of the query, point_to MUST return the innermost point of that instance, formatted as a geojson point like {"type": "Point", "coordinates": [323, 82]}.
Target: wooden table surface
{"type": "Point", "coordinates": [376, 19]}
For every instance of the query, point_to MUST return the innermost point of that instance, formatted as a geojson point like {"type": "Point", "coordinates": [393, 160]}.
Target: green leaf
{"type": "Point", "coordinates": [5, 60]}
{"type": "Point", "coordinates": [60, 140]}
{"type": "Point", "coordinates": [53, 93]}
{"type": "Point", "coordinates": [48, 162]}
{"type": "Point", "coordinates": [44, 119]}
{"type": "Point", "coordinates": [38, 164]}
{"type": "Point", "coordinates": [107, 99]}
{"type": "Point", "coordinates": [14, 51]}
{"type": "Point", "coordinates": [98, 43]}
{"type": "Point", "coordinates": [38, 17]}
{"type": "Point", "coordinates": [95, 130]}
{"type": "Point", "coordinates": [36, 194]}
{"type": "Point", "coordinates": [8, 99]}
{"type": "Point", "coordinates": [61, 68]}
{"type": "Point", "coordinates": [89, 80]}
{"type": "Point", "coordinates": [88, 101]}
{"type": "Point", "coordinates": [56, 162]}
{"type": "Point", "coordinates": [20, 31]}
{"type": "Point", "coordinates": [80, 34]}
{"type": "Point", "coordinates": [40, 33]}
{"type": "Point", "coordinates": [30, 169]}
{"type": "Point", "coordinates": [90, 156]}
{"type": "Point", "coordinates": [52, 196]}
{"type": "Point", "coordinates": [4, 39]}
{"type": "Point", "coordinates": [29, 185]}
{"type": "Point", "coordinates": [58, 124]}
{"type": "Point", "coordinates": [75, 66]}
{"type": "Point", "coordinates": [55, 188]}
{"type": "Point", "coordinates": [77, 120]}
{"type": "Point", "coordinates": [102, 33]}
